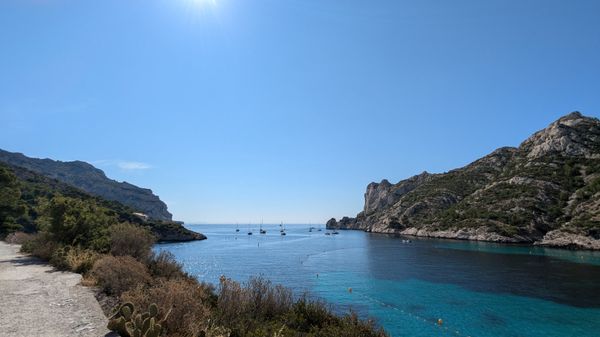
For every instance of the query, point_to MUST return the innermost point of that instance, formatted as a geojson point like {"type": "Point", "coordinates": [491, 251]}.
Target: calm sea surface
{"type": "Point", "coordinates": [477, 289]}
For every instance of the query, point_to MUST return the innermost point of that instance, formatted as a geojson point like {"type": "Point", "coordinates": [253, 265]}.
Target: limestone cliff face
{"type": "Point", "coordinates": [92, 180]}
{"type": "Point", "coordinates": [383, 195]}
{"type": "Point", "coordinates": [572, 135]}
{"type": "Point", "coordinates": [546, 191]}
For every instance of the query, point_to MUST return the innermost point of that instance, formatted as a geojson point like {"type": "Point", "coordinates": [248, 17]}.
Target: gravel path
{"type": "Point", "coordinates": [36, 300]}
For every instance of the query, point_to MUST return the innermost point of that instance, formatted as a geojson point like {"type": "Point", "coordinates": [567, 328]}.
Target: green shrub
{"type": "Point", "coordinates": [77, 222]}
{"type": "Point", "coordinates": [59, 258]}
{"type": "Point", "coordinates": [11, 206]}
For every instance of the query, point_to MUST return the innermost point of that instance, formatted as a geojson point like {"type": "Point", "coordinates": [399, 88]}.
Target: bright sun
{"type": "Point", "coordinates": [203, 2]}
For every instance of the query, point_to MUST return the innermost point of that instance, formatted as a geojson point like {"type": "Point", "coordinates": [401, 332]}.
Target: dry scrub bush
{"type": "Point", "coordinates": [19, 238]}
{"type": "Point", "coordinates": [257, 299]}
{"type": "Point", "coordinates": [74, 259]}
{"type": "Point", "coordinates": [116, 275]}
{"type": "Point", "coordinates": [188, 301]}
{"type": "Point", "coordinates": [132, 240]}
{"type": "Point", "coordinates": [41, 245]}
{"type": "Point", "coordinates": [164, 265]}
{"type": "Point", "coordinates": [81, 260]}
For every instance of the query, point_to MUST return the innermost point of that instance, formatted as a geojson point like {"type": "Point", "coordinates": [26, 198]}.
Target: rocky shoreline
{"type": "Point", "coordinates": [552, 239]}
{"type": "Point", "coordinates": [174, 232]}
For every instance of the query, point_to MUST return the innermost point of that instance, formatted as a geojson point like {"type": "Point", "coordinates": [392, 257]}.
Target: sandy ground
{"type": "Point", "coordinates": [36, 300]}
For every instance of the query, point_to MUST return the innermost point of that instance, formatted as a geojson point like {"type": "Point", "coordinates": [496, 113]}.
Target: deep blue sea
{"type": "Point", "coordinates": [477, 289]}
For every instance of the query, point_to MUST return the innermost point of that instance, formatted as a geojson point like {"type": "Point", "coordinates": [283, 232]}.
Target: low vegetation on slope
{"type": "Point", "coordinates": [27, 199]}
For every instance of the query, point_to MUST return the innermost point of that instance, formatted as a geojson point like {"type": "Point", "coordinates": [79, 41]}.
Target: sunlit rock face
{"type": "Point", "coordinates": [546, 191]}
{"type": "Point", "coordinates": [572, 135]}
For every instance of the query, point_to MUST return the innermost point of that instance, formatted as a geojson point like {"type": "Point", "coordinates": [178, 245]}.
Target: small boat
{"type": "Point", "coordinates": [335, 232]}
{"type": "Point", "coordinates": [237, 228]}
{"type": "Point", "coordinates": [261, 230]}
{"type": "Point", "coordinates": [282, 230]}
{"type": "Point", "coordinates": [327, 233]}
{"type": "Point", "coordinates": [249, 233]}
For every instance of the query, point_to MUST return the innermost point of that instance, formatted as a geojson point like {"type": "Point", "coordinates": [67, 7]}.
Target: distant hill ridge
{"type": "Point", "coordinates": [93, 180]}
{"type": "Point", "coordinates": [546, 191]}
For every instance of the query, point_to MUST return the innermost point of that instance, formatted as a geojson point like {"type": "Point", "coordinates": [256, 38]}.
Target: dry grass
{"type": "Point", "coordinates": [81, 260]}
{"type": "Point", "coordinates": [116, 275]}
{"type": "Point", "coordinates": [188, 301]}
{"type": "Point", "coordinates": [88, 281]}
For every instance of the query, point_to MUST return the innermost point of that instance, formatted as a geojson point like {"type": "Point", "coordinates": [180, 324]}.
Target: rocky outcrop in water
{"type": "Point", "coordinates": [92, 180]}
{"type": "Point", "coordinates": [546, 191]}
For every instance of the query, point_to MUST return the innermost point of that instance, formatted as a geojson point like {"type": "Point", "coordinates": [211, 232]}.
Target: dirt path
{"type": "Point", "coordinates": [36, 300]}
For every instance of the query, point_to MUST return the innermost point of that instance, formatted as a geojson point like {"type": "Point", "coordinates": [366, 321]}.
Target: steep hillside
{"type": "Point", "coordinates": [24, 194]}
{"type": "Point", "coordinates": [92, 180]}
{"type": "Point", "coordinates": [546, 192]}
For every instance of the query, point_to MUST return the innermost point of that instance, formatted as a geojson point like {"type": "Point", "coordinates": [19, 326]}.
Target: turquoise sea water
{"type": "Point", "coordinates": [477, 289]}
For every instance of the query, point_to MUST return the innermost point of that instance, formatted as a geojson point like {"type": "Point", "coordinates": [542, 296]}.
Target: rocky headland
{"type": "Point", "coordinates": [35, 187]}
{"type": "Point", "coordinates": [92, 180]}
{"type": "Point", "coordinates": [544, 192]}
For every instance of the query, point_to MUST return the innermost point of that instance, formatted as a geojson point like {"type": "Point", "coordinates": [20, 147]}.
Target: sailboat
{"type": "Point", "coordinates": [282, 230]}
{"type": "Point", "coordinates": [237, 228]}
{"type": "Point", "coordinates": [250, 230]}
{"type": "Point", "coordinates": [262, 231]}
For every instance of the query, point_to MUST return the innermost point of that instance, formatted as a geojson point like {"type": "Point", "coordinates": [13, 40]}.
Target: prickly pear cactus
{"type": "Point", "coordinates": [126, 324]}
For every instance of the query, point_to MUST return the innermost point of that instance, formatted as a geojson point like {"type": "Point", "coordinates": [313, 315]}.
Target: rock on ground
{"type": "Point", "coordinates": [37, 300]}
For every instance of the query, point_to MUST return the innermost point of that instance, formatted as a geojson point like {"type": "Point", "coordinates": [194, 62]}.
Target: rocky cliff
{"type": "Point", "coordinates": [92, 180]}
{"type": "Point", "coordinates": [546, 192]}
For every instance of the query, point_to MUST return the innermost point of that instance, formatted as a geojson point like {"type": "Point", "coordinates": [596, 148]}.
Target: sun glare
{"type": "Point", "coordinates": [203, 2]}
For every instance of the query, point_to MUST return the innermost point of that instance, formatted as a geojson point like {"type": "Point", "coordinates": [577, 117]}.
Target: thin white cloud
{"type": "Point", "coordinates": [125, 165]}
{"type": "Point", "coordinates": [133, 165]}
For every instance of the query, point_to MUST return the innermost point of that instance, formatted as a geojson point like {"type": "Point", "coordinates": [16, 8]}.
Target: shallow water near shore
{"type": "Point", "coordinates": [477, 289]}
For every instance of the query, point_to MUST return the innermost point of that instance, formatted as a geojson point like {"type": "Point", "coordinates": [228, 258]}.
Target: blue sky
{"type": "Point", "coordinates": [284, 110]}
